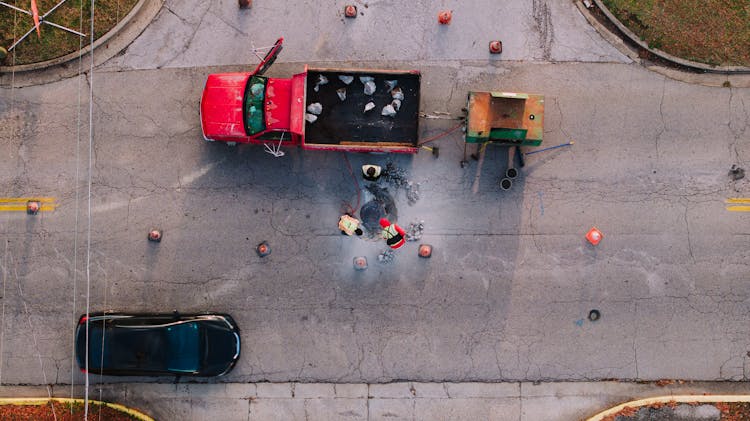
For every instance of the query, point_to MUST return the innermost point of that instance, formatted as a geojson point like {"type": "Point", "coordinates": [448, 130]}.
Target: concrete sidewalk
{"type": "Point", "coordinates": [525, 401]}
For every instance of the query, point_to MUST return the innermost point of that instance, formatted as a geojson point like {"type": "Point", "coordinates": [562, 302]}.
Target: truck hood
{"type": "Point", "coordinates": [221, 105]}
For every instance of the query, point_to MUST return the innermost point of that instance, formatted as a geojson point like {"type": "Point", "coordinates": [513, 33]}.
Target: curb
{"type": "Point", "coordinates": [713, 77]}
{"type": "Point", "coordinates": [41, 401]}
{"type": "Point", "coordinates": [120, 36]}
{"type": "Point", "coordinates": [666, 399]}
{"type": "Point", "coordinates": [664, 55]}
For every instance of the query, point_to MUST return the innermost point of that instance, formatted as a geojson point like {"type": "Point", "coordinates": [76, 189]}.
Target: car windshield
{"type": "Point", "coordinates": [184, 345]}
{"type": "Point", "coordinates": [252, 109]}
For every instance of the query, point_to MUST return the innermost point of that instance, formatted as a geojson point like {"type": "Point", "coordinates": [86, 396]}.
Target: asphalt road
{"type": "Point", "coordinates": [505, 295]}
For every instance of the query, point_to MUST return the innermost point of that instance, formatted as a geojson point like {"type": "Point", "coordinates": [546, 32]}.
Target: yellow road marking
{"type": "Point", "coordinates": [18, 204]}
{"type": "Point", "coordinates": [14, 208]}
{"type": "Point", "coordinates": [25, 199]}
{"type": "Point", "coordinates": [738, 208]}
{"type": "Point", "coordinates": [738, 200]}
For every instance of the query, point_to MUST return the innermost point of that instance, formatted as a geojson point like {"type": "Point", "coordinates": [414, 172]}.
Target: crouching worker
{"type": "Point", "coordinates": [349, 225]}
{"type": "Point", "coordinates": [394, 235]}
{"type": "Point", "coordinates": [371, 172]}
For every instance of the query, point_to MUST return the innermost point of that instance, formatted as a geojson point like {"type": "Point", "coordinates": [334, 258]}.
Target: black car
{"type": "Point", "coordinates": [158, 344]}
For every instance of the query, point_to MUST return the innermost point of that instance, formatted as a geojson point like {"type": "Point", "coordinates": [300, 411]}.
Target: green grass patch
{"type": "Point", "coordinates": [54, 42]}
{"type": "Point", "coordinates": [61, 411]}
{"type": "Point", "coordinates": [714, 32]}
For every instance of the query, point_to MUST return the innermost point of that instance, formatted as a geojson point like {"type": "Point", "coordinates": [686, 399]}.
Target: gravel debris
{"type": "Point", "coordinates": [414, 231]}
{"type": "Point", "coordinates": [386, 256]}
{"type": "Point", "coordinates": [346, 79]}
{"type": "Point", "coordinates": [398, 178]}
{"type": "Point", "coordinates": [315, 108]}
{"type": "Point", "coordinates": [388, 111]}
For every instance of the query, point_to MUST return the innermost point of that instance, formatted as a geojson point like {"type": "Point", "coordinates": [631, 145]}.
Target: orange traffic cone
{"type": "Point", "coordinates": [444, 17]}
{"type": "Point", "coordinates": [350, 11]}
{"type": "Point", "coordinates": [32, 207]}
{"type": "Point", "coordinates": [425, 250]}
{"type": "Point", "coordinates": [594, 236]}
{"type": "Point", "coordinates": [263, 249]}
{"type": "Point", "coordinates": [360, 263]}
{"type": "Point", "coordinates": [496, 47]}
{"type": "Point", "coordinates": [154, 235]}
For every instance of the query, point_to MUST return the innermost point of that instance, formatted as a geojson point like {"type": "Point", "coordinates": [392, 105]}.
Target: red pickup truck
{"type": "Point", "coordinates": [323, 109]}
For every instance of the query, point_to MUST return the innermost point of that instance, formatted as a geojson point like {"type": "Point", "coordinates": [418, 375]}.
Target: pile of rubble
{"type": "Point", "coordinates": [414, 231]}
{"type": "Point", "coordinates": [386, 256]}
{"type": "Point", "coordinates": [398, 177]}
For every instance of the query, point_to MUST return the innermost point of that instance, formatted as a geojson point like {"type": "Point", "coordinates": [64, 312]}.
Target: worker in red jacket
{"type": "Point", "coordinates": [394, 235]}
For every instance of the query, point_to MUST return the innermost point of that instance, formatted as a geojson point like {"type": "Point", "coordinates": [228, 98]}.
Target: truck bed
{"type": "Point", "coordinates": [346, 123]}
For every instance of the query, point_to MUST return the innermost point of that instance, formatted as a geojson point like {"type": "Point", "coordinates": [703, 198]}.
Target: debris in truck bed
{"type": "Point", "coordinates": [396, 104]}
{"type": "Point", "coordinates": [347, 121]}
{"type": "Point", "coordinates": [315, 108]}
{"type": "Point", "coordinates": [341, 92]}
{"type": "Point", "coordinates": [310, 117]}
{"type": "Point", "coordinates": [322, 80]}
{"type": "Point", "coordinates": [369, 87]}
{"type": "Point", "coordinates": [388, 110]}
{"type": "Point", "coordinates": [398, 94]}
{"type": "Point", "coordinates": [414, 231]}
{"type": "Point", "coordinates": [369, 106]}
{"type": "Point", "coordinates": [390, 84]}
{"type": "Point", "coordinates": [346, 79]}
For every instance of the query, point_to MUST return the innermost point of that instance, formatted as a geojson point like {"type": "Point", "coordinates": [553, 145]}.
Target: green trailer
{"type": "Point", "coordinates": [506, 119]}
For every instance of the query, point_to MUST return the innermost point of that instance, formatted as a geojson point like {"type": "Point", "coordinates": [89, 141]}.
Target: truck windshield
{"type": "Point", "coordinates": [252, 109]}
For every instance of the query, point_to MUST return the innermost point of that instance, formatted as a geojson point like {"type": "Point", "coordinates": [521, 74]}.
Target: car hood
{"type": "Point", "coordinates": [222, 349]}
{"type": "Point", "coordinates": [221, 105]}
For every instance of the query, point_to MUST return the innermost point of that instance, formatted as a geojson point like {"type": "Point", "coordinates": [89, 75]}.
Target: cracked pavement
{"type": "Point", "coordinates": [510, 275]}
{"type": "Point", "coordinates": [506, 293]}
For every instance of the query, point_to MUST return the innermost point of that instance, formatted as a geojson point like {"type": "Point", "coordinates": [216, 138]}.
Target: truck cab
{"type": "Point", "coordinates": [248, 107]}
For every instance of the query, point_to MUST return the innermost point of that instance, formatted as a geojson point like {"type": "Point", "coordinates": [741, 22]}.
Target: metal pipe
{"type": "Point", "coordinates": [21, 39]}
{"type": "Point", "coordinates": [53, 9]}
{"type": "Point", "coordinates": [550, 148]}
{"type": "Point", "coordinates": [14, 7]}
{"type": "Point", "coordinates": [64, 28]}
